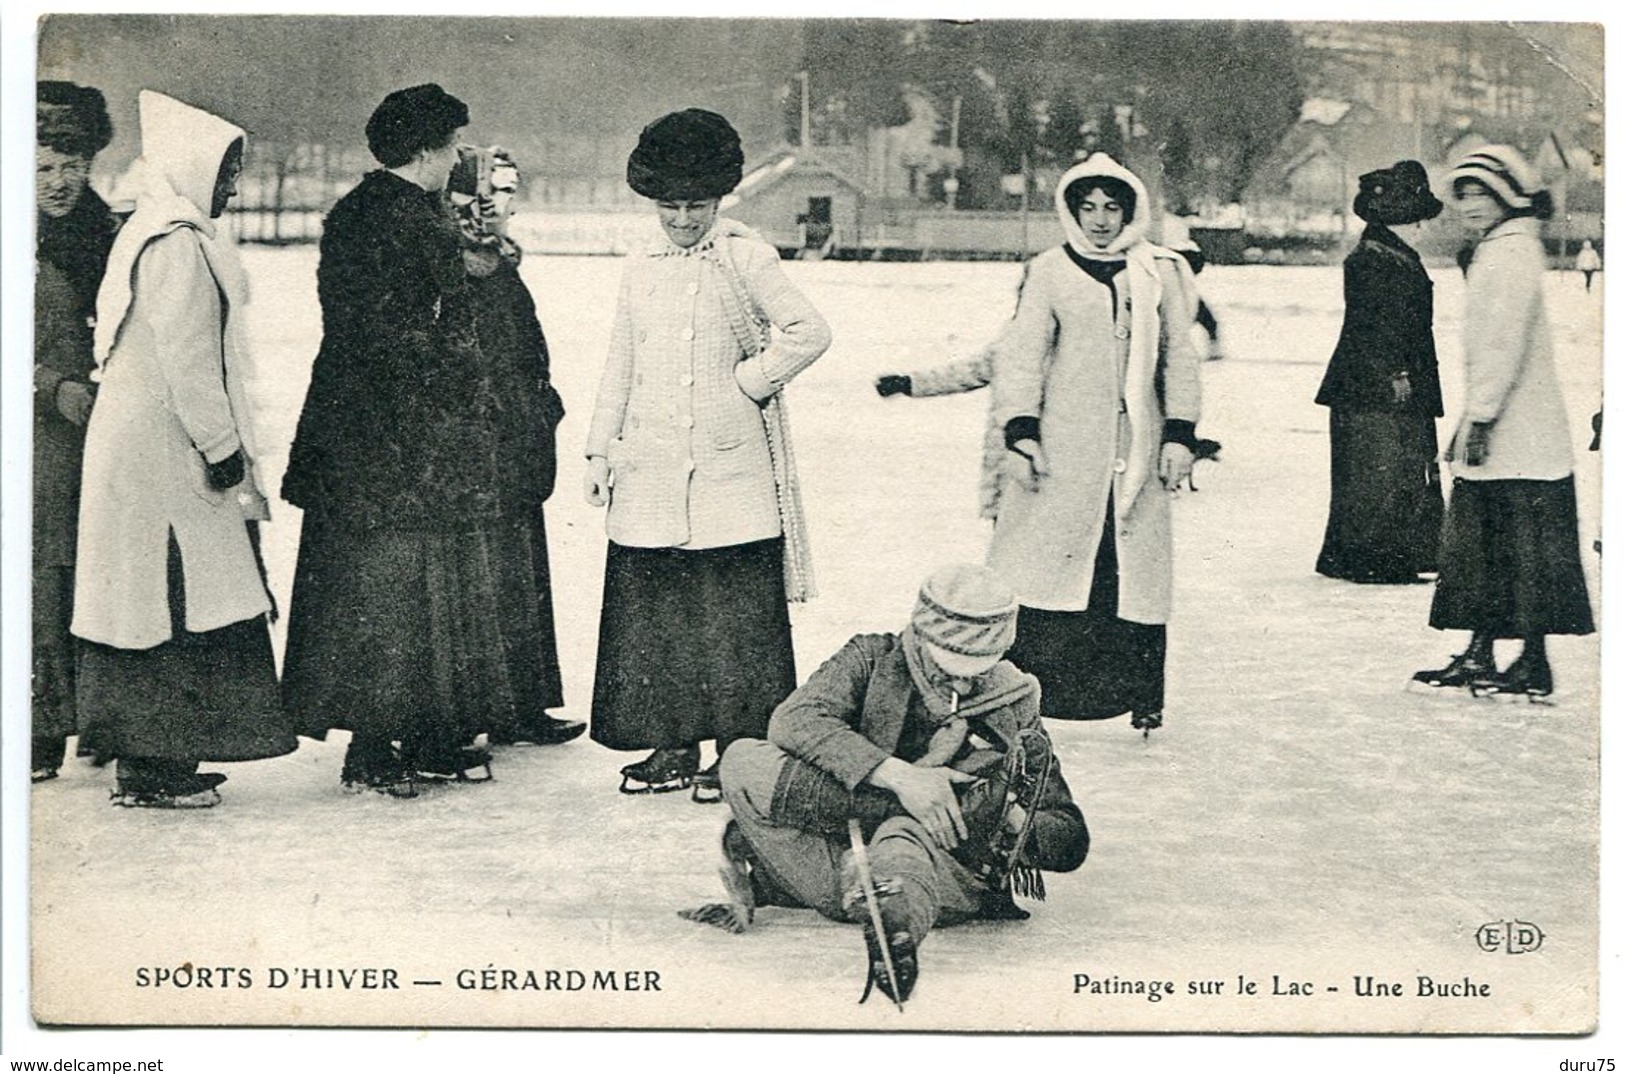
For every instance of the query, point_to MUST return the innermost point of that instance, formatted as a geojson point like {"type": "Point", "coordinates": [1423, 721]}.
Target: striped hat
{"type": "Point", "coordinates": [1503, 170]}
{"type": "Point", "coordinates": [966, 609]}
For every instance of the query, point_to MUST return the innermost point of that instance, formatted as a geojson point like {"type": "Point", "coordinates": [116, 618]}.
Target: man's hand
{"type": "Point", "coordinates": [927, 794]}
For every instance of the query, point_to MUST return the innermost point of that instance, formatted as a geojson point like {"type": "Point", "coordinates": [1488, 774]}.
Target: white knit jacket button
{"type": "Point", "coordinates": [1119, 466]}
{"type": "Point", "coordinates": [688, 334]}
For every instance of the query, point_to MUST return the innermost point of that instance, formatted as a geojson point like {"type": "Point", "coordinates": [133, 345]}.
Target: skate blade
{"type": "Point", "coordinates": [1427, 689]}
{"type": "Point", "coordinates": [402, 790]}
{"type": "Point", "coordinates": [202, 800]}
{"type": "Point", "coordinates": [634, 786]}
{"type": "Point", "coordinates": [1516, 698]}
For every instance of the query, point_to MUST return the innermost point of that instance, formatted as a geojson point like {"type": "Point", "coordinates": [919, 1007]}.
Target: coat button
{"type": "Point", "coordinates": [688, 466]}
{"type": "Point", "coordinates": [686, 421]}
{"type": "Point", "coordinates": [1118, 465]}
{"type": "Point", "coordinates": [688, 334]}
{"type": "Point", "coordinates": [693, 288]}
{"type": "Point", "coordinates": [686, 379]}
{"type": "Point", "coordinates": [643, 335]}
{"type": "Point", "coordinates": [1121, 331]}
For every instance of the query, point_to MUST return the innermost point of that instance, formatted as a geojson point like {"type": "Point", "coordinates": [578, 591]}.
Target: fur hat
{"type": "Point", "coordinates": [411, 120]}
{"type": "Point", "coordinates": [966, 609]}
{"type": "Point", "coordinates": [1397, 195]}
{"type": "Point", "coordinates": [71, 118]}
{"type": "Point", "coordinates": [687, 155]}
{"type": "Point", "coordinates": [1504, 171]}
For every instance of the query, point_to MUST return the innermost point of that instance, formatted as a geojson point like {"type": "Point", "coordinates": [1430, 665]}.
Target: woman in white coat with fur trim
{"type": "Point", "coordinates": [1097, 389]}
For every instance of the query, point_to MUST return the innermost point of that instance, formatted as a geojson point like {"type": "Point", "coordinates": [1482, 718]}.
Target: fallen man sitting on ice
{"type": "Point", "coordinates": [908, 783]}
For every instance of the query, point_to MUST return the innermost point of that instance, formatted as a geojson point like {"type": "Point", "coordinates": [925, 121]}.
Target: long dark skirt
{"type": "Point", "coordinates": [1387, 505]}
{"type": "Point", "coordinates": [209, 696]}
{"type": "Point", "coordinates": [393, 634]}
{"type": "Point", "coordinates": [529, 643]}
{"type": "Point", "coordinates": [1091, 665]}
{"type": "Point", "coordinates": [692, 645]}
{"type": "Point", "coordinates": [53, 678]}
{"type": "Point", "coordinates": [1509, 560]}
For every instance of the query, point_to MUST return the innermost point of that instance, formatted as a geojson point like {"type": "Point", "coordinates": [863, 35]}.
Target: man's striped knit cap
{"type": "Point", "coordinates": [966, 609]}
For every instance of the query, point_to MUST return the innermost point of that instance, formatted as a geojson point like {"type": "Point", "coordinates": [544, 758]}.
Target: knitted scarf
{"type": "Point", "coordinates": [754, 333]}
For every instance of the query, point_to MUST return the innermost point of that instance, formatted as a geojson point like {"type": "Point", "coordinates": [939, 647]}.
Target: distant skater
{"type": "Point", "coordinates": [1588, 262]}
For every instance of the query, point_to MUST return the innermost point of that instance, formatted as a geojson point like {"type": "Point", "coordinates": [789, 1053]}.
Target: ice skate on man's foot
{"type": "Point", "coordinates": [738, 879]}
{"type": "Point", "coordinates": [893, 959]}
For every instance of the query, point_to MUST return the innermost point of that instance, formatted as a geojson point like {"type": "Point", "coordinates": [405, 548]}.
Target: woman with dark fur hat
{"type": "Point", "coordinates": [1509, 557]}
{"type": "Point", "coordinates": [393, 631]}
{"type": "Point", "coordinates": [690, 450]}
{"type": "Point", "coordinates": [1382, 385]}
{"type": "Point", "coordinates": [73, 233]}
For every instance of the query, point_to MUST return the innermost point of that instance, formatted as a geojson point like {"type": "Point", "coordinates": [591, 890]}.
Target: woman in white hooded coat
{"type": "Point", "coordinates": [1096, 386]}
{"type": "Point", "coordinates": [170, 597]}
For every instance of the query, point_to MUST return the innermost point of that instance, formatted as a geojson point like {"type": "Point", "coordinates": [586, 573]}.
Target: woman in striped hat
{"type": "Point", "coordinates": [1509, 558]}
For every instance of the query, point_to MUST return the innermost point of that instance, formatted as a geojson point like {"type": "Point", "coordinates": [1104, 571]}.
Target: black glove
{"type": "Point", "coordinates": [894, 384]}
{"type": "Point", "coordinates": [1478, 442]}
{"type": "Point", "coordinates": [227, 473]}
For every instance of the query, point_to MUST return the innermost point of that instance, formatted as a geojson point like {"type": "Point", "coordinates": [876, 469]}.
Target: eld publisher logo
{"type": "Point", "coordinates": [1513, 937]}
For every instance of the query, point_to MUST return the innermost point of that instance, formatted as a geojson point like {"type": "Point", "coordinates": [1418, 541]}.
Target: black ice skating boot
{"type": "Point", "coordinates": [192, 790]}
{"type": "Point", "coordinates": [1465, 671]}
{"type": "Point", "coordinates": [465, 764]}
{"type": "Point", "coordinates": [662, 771]}
{"type": "Point", "coordinates": [543, 730]}
{"type": "Point", "coordinates": [377, 766]}
{"type": "Point", "coordinates": [1528, 678]}
{"type": "Point", "coordinates": [1145, 722]}
{"type": "Point", "coordinates": [892, 942]}
{"type": "Point", "coordinates": [708, 784]}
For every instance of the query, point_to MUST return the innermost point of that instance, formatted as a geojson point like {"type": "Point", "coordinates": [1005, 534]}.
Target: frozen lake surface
{"type": "Point", "coordinates": [1300, 814]}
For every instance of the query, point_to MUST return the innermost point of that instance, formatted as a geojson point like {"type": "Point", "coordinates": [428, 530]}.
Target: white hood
{"type": "Point", "coordinates": [1096, 166]}
{"type": "Point", "coordinates": [183, 146]}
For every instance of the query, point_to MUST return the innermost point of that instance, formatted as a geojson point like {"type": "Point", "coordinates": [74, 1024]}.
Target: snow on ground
{"type": "Point", "coordinates": [1299, 815]}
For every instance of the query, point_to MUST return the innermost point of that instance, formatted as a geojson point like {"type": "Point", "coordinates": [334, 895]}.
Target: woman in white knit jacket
{"type": "Point", "coordinates": [1509, 557]}
{"type": "Point", "coordinates": [704, 522]}
{"type": "Point", "coordinates": [1097, 389]}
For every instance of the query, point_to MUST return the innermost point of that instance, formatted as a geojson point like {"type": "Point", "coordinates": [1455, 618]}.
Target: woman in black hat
{"type": "Point", "coordinates": [1382, 386]}
{"type": "Point", "coordinates": [393, 632]}
{"type": "Point", "coordinates": [690, 450]}
{"type": "Point", "coordinates": [74, 231]}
